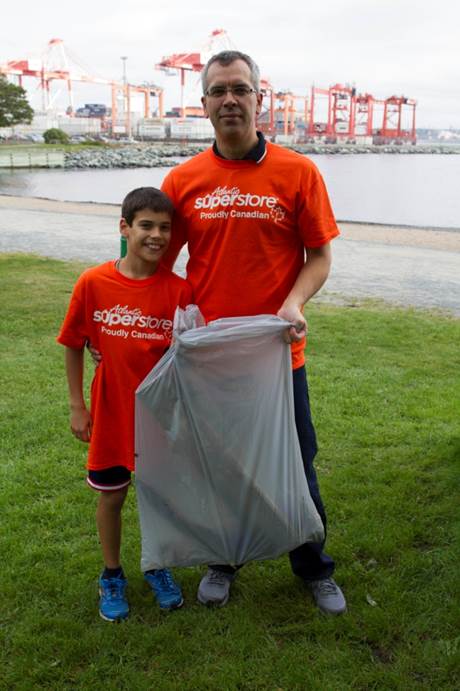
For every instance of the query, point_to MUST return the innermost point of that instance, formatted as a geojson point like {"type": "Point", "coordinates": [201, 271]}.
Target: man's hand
{"type": "Point", "coordinates": [292, 313]}
{"type": "Point", "coordinates": [95, 354]}
{"type": "Point", "coordinates": [309, 280]}
{"type": "Point", "coordinates": [80, 423]}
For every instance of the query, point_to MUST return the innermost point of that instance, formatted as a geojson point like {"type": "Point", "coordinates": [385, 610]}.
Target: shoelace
{"type": "Point", "coordinates": [217, 577]}
{"type": "Point", "coordinates": [326, 586]}
{"type": "Point", "coordinates": [115, 588]}
{"type": "Point", "coordinates": [165, 578]}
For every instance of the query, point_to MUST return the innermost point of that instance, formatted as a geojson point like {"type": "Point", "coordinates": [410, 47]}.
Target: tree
{"type": "Point", "coordinates": [14, 107]}
{"type": "Point", "coordinates": [55, 136]}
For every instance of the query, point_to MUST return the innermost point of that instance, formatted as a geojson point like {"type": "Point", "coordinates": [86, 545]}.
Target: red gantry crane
{"type": "Point", "coordinates": [394, 109]}
{"type": "Point", "coordinates": [284, 112]}
{"type": "Point", "coordinates": [56, 64]}
{"type": "Point", "coordinates": [193, 62]}
{"type": "Point", "coordinates": [364, 114]}
{"type": "Point", "coordinates": [342, 110]}
{"type": "Point", "coordinates": [350, 115]}
{"type": "Point", "coordinates": [336, 113]}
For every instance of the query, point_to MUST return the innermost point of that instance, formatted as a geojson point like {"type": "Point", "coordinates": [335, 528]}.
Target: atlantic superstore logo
{"type": "Point", "coordinates": [116, 320]}
{"type": "Point", "coordinates": [230, 202]}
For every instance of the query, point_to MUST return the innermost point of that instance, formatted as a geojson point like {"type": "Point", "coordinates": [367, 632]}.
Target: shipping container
{"type": "Point", "coordinates": [191, 128]}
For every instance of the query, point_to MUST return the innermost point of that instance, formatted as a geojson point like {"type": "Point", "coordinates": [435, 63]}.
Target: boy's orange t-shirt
{"type": "Point", "coordinates": [130, 323]}
{"type": "Point", "coordinates": [247, 226]}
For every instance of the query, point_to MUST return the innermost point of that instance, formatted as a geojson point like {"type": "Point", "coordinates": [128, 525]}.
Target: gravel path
{"type": "Point", "coordinates": [407, 266]}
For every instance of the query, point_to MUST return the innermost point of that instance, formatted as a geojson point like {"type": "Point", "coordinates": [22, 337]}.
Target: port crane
{"type": "Point", "coordinates": [57, 65]}
{"type": "Point", "coordinates": [336, 113]}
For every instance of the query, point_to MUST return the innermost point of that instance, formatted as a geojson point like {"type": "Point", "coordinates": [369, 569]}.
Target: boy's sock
{"type": "Point", "coordinates": [113, 573]}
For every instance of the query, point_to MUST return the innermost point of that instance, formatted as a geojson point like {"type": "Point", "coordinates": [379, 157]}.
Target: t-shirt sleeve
{"type": "Point", "coordinates": [73, 331]}
{"type": "Point", "coordinates": [178, 234]}
{"type": "Point", "coordinates": [316, 221]}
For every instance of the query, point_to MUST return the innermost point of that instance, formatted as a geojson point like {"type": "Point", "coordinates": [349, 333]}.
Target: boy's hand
{"type": "Point", "coordinates": [95, 354]}
{"type": "Point", "coordinates": [81, 423]}
{"type": "Point", "coordinates": [292, 313]}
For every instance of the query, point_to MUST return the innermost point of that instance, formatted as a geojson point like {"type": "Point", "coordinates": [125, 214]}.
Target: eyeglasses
{"type": "Point", "coordinates": [239, 91]}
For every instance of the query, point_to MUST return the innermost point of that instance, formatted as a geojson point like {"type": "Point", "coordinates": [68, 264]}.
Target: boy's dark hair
{"type": "Point", "coordinates": [145, 198]}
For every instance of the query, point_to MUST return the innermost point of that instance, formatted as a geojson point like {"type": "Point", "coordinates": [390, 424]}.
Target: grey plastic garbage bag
{"type": "Point", "coordinates": [219, 474]}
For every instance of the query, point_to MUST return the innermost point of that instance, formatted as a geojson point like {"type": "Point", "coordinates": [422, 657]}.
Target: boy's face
{"type": "Point", "coordinates": [149, 235]}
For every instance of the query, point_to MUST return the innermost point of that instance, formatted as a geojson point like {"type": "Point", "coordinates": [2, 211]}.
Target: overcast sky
{"type": "Point", "coordinates": [396, 47]}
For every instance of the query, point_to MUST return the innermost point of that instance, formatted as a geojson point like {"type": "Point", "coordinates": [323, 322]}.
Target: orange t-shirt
{"type": "Point", "coordinates": [247, 226]}
{"type": "Point", "coordinates": [130, 323]}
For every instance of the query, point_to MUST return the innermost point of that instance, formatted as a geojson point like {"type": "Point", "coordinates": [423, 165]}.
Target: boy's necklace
{"type": "Point", "coordinates": [117, 267]}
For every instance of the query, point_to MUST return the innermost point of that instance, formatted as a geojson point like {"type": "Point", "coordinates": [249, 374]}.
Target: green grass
{"type": "Point", "coordinates": [385, 397]}
{"type": "Point", "coordinates": [32, 147]}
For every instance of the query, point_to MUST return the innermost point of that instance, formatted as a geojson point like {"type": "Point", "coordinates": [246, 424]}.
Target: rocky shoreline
{"type": "Point", "coordinates": [129, 156]}
{"type": "Point", "coordinates": [167, 155]}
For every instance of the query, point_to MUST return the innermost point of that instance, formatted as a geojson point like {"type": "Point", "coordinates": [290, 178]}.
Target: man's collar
{"type": "Point", "coordinates": [256, 154]}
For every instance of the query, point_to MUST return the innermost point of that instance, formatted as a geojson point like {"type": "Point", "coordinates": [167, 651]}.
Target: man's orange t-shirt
{"type": "Point", "coordinates": [247, 226]}
{"type": "Point", "coordinates": [130, 323]}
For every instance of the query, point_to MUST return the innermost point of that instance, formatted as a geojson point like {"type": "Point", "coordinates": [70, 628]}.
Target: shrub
{"type": "Point", "coordinates": [55, 136]}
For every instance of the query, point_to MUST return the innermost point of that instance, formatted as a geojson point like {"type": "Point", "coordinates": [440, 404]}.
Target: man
{"type": "Point", "coordinates": [249, 211]}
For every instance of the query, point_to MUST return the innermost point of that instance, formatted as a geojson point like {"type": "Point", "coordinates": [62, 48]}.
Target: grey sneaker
{"type": "Point", "coordinates": [328, 596]}
{"type": "Point", "coordinates": [214, 588]}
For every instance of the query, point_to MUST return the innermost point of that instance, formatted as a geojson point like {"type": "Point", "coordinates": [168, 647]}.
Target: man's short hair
{"type": "Point", "coordinates": [145, 198]}
{"type": "Point", "coordinates": [226, 57]}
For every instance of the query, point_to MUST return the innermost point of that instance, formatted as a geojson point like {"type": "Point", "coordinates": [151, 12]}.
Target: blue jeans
{"type": "Point", "coordinates": [308, 561]}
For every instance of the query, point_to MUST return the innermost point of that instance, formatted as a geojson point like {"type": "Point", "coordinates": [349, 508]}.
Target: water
{"type": "Point", "coordinates": [404, 267]}
{"type": "Point", "coordinates": [410, 189]}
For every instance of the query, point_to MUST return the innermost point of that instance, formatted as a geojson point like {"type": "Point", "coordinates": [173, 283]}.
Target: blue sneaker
{"type": "Point", "coordinates": [166, 591]}
{"type": "Point", "coordinates": [113, 605]}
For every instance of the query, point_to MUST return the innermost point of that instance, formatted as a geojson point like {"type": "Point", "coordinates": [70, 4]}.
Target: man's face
{"type": "Point", "coordinates": [233, 117]}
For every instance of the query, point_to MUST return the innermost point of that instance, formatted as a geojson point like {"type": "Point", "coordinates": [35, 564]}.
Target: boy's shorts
{"type": "Point", "coordinates": [109, 479]}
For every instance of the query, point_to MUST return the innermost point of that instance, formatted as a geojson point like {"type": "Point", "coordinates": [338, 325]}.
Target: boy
{"type": "Point", "coordinates": [125, 309]}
